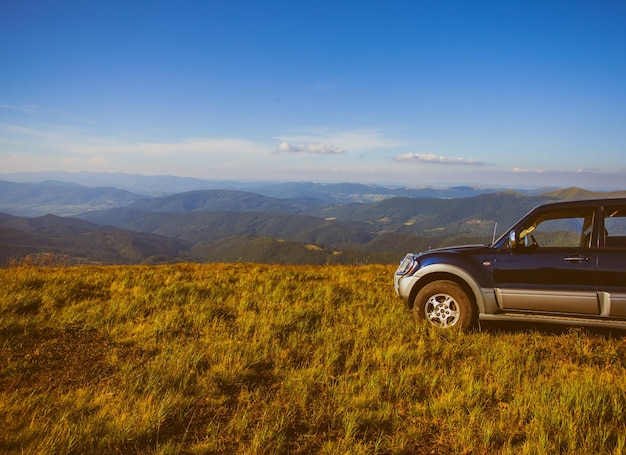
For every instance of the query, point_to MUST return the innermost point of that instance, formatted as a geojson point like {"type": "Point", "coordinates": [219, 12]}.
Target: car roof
{"type": "Point", "coordinates": [582, 203]}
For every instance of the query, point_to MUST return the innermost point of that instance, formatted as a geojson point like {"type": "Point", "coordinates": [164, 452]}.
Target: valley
{"type": "Point", "coordinates": [282, 223]}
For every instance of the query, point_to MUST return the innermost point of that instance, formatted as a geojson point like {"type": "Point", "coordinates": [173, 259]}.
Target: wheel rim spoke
{"type": "Point", "coordinates": [442, 310]}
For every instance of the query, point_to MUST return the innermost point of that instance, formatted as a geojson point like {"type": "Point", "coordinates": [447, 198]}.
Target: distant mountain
{"type": "Point", "coordinates": [223, 200]}
{"type": "Point", "coordinates": [47, 225]}
{"type": "Point", "coordinates": [146, 185]}
{"type": "Point", "coordinates": [436, 217]}
{"type": "Point", "coordinates": [393, 225]}
{"type": "Point", "coordinates": [161, 185]}
{"type": "Point", "coordinates": [573, 193]}
{"type": "Point", "coordinates": [59, 198]}
{"type": "Point", "coordinates": [297, 223]}
{"type": "Point", "coordinates": [83, 242]}
{"type": "Point", "coordinates": [210, 226]}
{"type": "Point", "coordinates": [355, 192]}
{"type": "Point", "coordinates": [354, 226]}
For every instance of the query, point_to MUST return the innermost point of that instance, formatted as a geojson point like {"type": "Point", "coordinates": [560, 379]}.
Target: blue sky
{"type": "Point", "coordinates": [529, 93]}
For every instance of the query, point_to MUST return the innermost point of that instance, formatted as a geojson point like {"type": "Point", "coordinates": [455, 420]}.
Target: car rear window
{"type": "Point", "coordinates": [615, 227]}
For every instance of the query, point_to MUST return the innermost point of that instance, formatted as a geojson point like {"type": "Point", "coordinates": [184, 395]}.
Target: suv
{"type": "Point", "coordinates": [562, 263]}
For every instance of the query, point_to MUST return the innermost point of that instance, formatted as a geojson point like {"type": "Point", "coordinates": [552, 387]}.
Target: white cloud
{"type": "Point", "coordinates": [320, 149]}
{"type": "Point", "coordinates": [589, 170]}
{"type": "Point", "coordinates": [534, 171]}
{"type": "Point", "coordinates": [356, 140]}
{"type": "Point", "coordinates": [431, 158]}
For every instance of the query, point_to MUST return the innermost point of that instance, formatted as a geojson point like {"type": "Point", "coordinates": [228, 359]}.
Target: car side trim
{"type": "Point", "coordinates": [543, 300]}
{"type": "Point", "coordinates": [612, 304]}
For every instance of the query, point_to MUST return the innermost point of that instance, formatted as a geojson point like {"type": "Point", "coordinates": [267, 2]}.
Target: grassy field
{"type": "Point", "coordinates": [255, 359]}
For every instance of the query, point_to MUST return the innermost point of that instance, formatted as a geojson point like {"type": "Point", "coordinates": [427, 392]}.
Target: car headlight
{"type": "Point", "coordinates": [408, 265]}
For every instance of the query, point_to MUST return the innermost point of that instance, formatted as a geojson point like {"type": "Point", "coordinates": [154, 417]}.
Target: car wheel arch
{"type": "Point", "coordinates": [460, 277]}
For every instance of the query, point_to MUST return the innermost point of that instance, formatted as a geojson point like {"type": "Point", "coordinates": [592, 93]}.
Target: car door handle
{"type": "Point", "coordinates": [577, 258]}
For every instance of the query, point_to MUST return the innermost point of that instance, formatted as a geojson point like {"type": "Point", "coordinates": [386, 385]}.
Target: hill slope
{"type": "Point", "coordinates": [223, 200]}
{"type": "Point", "coordinates": [225, 225]}
{"type": "Point", "coordinates": [207, 226]}
{"type": "Point", "coordinates": [59, 198]}
{"type": "Point", "coordinates": [84, 242]}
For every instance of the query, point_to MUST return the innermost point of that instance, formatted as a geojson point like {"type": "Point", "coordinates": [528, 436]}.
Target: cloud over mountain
{"type": "Point", "coordinates": [319, 149]}
{"type": "Point", "coordinates": [431, 158]}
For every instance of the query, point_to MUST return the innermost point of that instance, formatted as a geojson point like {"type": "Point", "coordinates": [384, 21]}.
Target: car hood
{"type": "Point", "coordinates": [456, 249]}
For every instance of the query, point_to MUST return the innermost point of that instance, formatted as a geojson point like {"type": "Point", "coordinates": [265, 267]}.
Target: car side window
{"type": "Point", "coordinates": [615, 227]}
{"type": "Point", "coordinates": [560, 230]}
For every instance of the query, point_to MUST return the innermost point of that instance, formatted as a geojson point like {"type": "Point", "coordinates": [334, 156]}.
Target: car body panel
{"type": "Point", "coordinates": [547, 281]}
{"type": "Point", "coordinates": [611, 282]}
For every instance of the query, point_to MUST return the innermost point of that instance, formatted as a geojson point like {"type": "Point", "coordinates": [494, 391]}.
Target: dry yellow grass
{"type": "Point", "coordinates": [245, 358]}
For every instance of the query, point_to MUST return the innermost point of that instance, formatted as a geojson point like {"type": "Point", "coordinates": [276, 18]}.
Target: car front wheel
{"type": "Point", "coordinates": [444, 304]}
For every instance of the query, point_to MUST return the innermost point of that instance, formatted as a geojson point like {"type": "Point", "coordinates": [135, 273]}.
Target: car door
{"type": "Point", "coordinates": [611, 274]}
{"type": "Point", "coordinates": [552, 267]}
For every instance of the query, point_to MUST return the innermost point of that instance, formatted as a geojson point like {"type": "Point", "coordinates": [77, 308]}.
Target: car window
{"type": "Point", "coordinates": [561, 230]}
{"type": "Point", "coordinates": [615, 227]}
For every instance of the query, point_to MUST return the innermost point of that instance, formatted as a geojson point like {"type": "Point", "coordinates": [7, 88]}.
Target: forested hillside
{"type": "Point", "coordinates": [305, 226]}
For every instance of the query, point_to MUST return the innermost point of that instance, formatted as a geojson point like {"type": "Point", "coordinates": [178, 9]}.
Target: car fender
{"type": "Point", "coordinates": [483, 298]}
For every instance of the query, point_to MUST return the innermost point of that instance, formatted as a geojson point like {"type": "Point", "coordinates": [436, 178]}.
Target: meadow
{"type": "Point", "coordinates": [267, 359]}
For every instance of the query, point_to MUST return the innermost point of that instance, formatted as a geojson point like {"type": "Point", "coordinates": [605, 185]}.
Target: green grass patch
{"type": "Point", "coordinates": [262, 359]}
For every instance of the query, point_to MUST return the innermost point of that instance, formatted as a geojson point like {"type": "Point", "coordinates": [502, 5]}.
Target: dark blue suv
{"type": "Point", "coordinates": [563, 263]}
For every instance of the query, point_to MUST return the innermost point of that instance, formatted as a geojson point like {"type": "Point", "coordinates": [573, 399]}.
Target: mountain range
{"type": "Point", "coordinates": [298, 222]}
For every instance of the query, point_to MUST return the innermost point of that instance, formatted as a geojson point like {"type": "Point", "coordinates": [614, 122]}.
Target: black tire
{"type": "Point", "coordinates": [444, 304]}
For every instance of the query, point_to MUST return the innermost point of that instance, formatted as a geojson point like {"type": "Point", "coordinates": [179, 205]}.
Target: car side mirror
{"type": "Point", "coordinates": [528, 241]}
{"type": "Point", "coordinates": [513, 240]}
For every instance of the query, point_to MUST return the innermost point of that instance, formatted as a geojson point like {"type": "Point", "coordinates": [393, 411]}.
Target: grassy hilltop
{"type": "Point", "coordinates": [263, 359]}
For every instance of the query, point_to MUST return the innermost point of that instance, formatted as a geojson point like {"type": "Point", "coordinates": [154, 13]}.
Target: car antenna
{"type": "Point", "coordinates": [495, 227]}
